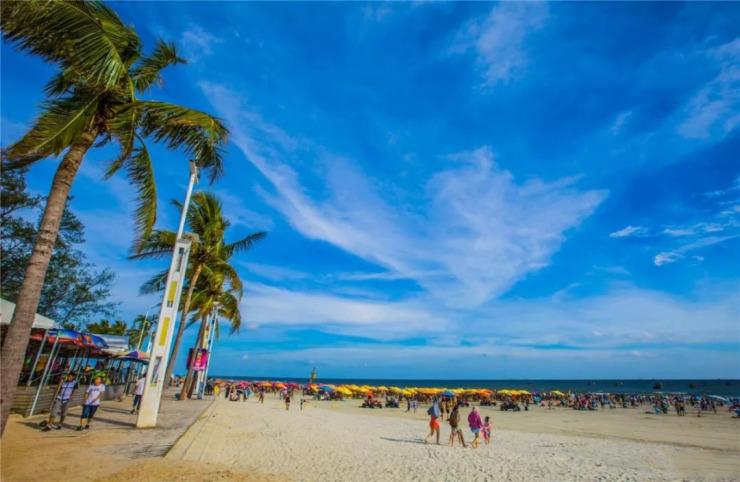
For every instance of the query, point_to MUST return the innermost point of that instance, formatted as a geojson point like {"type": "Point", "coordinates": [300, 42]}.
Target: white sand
{"type": "Point", "coordinates": [337, 441]}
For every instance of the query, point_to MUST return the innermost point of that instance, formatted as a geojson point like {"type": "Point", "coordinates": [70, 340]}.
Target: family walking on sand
{"type": "Point", "coordinates": [476, 425]}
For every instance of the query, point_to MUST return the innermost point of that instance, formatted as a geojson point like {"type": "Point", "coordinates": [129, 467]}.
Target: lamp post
{"type": "Point", "coordinates": [208, 345]}
{"type": "Point", "coordinates": [160, 352]}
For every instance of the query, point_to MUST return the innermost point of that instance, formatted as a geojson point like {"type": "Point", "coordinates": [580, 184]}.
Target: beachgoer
{"type": "Point", "coordinates": [487, 430]}
{"type": "Point", "coordinates": [262, 396]}
{"type": "Point", "coordinates": [138, 392]}
{"type": "Point", "coordinates": [93, 394]}
{"type": "Point", "coordinates": [454, 421]}
{"type": "Point", "coordinates": [61, 402]}
{"type": "Point", "coordinates": [475, 424]}
{"type": "Point", "coordinates": [434, 415]}
{"type": "Point", "coordinates": [287, 401]}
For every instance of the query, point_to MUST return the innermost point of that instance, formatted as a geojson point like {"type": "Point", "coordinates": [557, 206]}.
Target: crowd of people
{"type": "Point", "coordinates": [441, 408]}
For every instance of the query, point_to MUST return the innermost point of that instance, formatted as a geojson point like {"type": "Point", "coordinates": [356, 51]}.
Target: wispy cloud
{"type": "Point", "coordinates": [668, 257]}
{"type": "Point", "coordinates": [628, 231]}
{"type": "Point", "coordinates": [198, 43]}
{"type": "Point", "coordinates": [499, 39]}
{"type": "Point", "coordinates": [507, 335]}
{"type": "Point", "coordinates": [380, 319]}
{"type": "Point", "coordinates": [714, 110]}
{"type": "Point", "coordinates": [478, 232]}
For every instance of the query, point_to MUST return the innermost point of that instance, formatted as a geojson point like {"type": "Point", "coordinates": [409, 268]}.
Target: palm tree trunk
{"type": "Point", "coordinates": [186, 386]}
{"type": "Point", "coordinates": [19, 331]}
{"type": "Point", "coordinates": [183, 322]}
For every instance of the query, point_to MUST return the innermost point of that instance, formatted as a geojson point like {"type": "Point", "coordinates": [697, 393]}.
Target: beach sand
{"type": "Point", "coordinates": [331, 441]}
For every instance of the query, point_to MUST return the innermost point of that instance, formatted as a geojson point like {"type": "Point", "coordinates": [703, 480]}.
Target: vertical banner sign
{"type": "Point", "coordinates": [159, 355]}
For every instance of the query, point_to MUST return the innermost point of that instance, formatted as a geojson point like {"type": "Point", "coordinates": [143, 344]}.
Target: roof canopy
{"type": "Point", "coordinates": [6, 314]}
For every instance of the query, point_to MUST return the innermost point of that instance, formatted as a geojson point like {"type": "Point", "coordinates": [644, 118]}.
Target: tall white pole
{"type": "Point", "coordinates": [208, 345]}
{"type": "Point", "coordinates": [159, 355]}
{"type": "Point", "coordinates": [142, 329]}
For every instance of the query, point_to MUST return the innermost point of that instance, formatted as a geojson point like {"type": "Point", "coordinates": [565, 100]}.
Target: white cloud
{"type": "Point", "coordinates": [713, 110]}
{"type": "Point", "coordinates": [679, 232]}
{"type": "Point", "coordinates": [239, 215]}
{"type": "Point", "coordinates": [479, 233]}
{"type": "Point", "coordinates": [629, 231]}
{"type": "Point", "coordinates": [266, 305]}
{"type": "Point", "coordinates": [619, 122]}
{"type": "Point", "coordinates": [197, 43]}
{"type": "Point", "coordinates": [275, 273]}
{"type": "Point", "coordinates": [499, 39]}
{"type": "Point", "coordinates": [668, 257]}
{"type": "Point", "coordinates": [543, 337]}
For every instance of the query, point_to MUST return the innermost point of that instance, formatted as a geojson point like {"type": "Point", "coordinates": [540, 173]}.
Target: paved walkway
{"type": "Point", "coordinates": [111, 444]}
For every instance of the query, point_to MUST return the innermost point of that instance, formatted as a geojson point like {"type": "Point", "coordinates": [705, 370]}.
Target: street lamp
{"type": "Point", "coordinates": [159, 356]}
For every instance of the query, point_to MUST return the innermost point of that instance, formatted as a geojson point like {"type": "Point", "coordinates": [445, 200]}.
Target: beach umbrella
{"type": "Point", "coordinates": [717, 397]}
{"type": "Point", "coordinates": [448, 393]}
{"type": "Point", "coordinates": [326, 388]}
{"type": "Point", "coordinates": [134, 355]}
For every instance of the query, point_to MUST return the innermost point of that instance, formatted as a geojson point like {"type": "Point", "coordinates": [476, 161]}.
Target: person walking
{"type": "Point", "coordinates": [93, 395]}
{"type": "Point", "coordinates": [476, 424]}
{"type": "Point", "coordinates": [454, 421]}
{"type": "Point", "coordinates": [61, 402]}
{"type": "Point", "coordinates": [138, 392]}
{"type": "Point", "coordinates": [434, 415]}
{"type": "Point", "coordinates": [287, 401]}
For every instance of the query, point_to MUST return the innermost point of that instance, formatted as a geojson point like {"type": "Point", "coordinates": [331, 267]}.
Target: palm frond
{"type": "Point", "coordinates": [122, 126]}
{"type": "Point", "coordinates": [141, 175]}
{"type": "Point", "coordinates": [154, 284]}
{"type": "Point", "coordinates": [244, 244]}
{"type": "Point", "coordinates": [199, 134]}
{"type": "Point", "coordinates": [86, 36]}
{"type": "Point", "coordinates": [158, 244]}
{"type": "Point", "coordinates": [60, 124]}
{"type": "Point", "coordinates": [147, 71]}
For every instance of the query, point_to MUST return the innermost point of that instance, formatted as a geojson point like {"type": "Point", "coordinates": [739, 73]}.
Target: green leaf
{"type": "Point", "coordinates": [87, 37]}
{"type": "Point", "coordinates": [60, 124]}
{"type": "Point", "coordinates": [141, 175]}
{"type": "Point", "coordinates": [147, 71]}
{"type": "Point", "coordinates": [199, 134]}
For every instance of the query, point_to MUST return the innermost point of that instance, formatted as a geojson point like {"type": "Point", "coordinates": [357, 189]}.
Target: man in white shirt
{"type": "Point", "coordinates": [93, 396]}
{"type": "Point", "coordinates": [138, 392]}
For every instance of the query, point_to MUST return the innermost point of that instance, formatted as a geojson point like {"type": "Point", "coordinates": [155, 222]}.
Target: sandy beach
{"type": "Point", "coordinates": [333, 441]}
{"type": "Point", "coordinates": [339, 441]}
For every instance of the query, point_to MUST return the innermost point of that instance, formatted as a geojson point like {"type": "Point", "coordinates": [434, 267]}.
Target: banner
{"type": "Point", "coordinates": [198, 361]}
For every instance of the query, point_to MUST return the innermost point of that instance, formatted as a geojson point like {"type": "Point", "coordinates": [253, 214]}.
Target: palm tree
{"type": "Point", "coordinates": [92, 100]}
{"type": "Point", "coordinates": [141, 329]}
{"type": "Point", "coordinates": [105, 327]}
{"type": "Point", "coordinates": [216, 294]}
{"type": "Point", "coordinates": [209, 254]}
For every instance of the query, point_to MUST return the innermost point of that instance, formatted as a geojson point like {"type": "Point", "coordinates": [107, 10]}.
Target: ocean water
{"type": "Point", "coordinates": [726, 388]}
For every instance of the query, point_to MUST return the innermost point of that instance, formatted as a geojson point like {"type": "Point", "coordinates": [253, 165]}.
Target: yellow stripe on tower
{"type": "Point", "coordinates": [171, 294]}
{"type": "Point", "coordinates": [165, 329]}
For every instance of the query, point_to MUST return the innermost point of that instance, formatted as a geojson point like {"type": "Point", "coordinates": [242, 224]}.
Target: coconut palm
{"type": "Point", "coordinates": [215, 295]}
{"type": "Point", "coordinates": [209, 255]}
{"type": "Point", "coordinates": [92, 99]}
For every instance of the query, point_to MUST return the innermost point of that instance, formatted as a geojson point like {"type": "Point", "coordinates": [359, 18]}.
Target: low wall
{"type": "Point", "coordinates": [24, 398]}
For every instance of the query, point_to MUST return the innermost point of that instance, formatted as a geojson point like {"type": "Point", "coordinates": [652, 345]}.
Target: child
{"type": "Point", "coordinates": [487, 430]}
{"type": "Point", "coordinates": [93, 395]}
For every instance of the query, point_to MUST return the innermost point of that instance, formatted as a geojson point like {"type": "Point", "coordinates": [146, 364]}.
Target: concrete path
{"type": "Point", "coordinates": [29, 454]}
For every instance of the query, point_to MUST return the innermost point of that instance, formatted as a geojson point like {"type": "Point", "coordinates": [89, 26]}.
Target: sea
{"type": "Point", "coordinates": [723, 387]}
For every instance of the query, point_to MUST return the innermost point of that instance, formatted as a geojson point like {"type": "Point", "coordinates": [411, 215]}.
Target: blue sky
{"type": "Point", "coordinates": [452, 190]}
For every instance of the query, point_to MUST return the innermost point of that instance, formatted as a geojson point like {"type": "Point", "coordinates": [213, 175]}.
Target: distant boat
{"type": "Point", "coordinates": [657, 386]}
